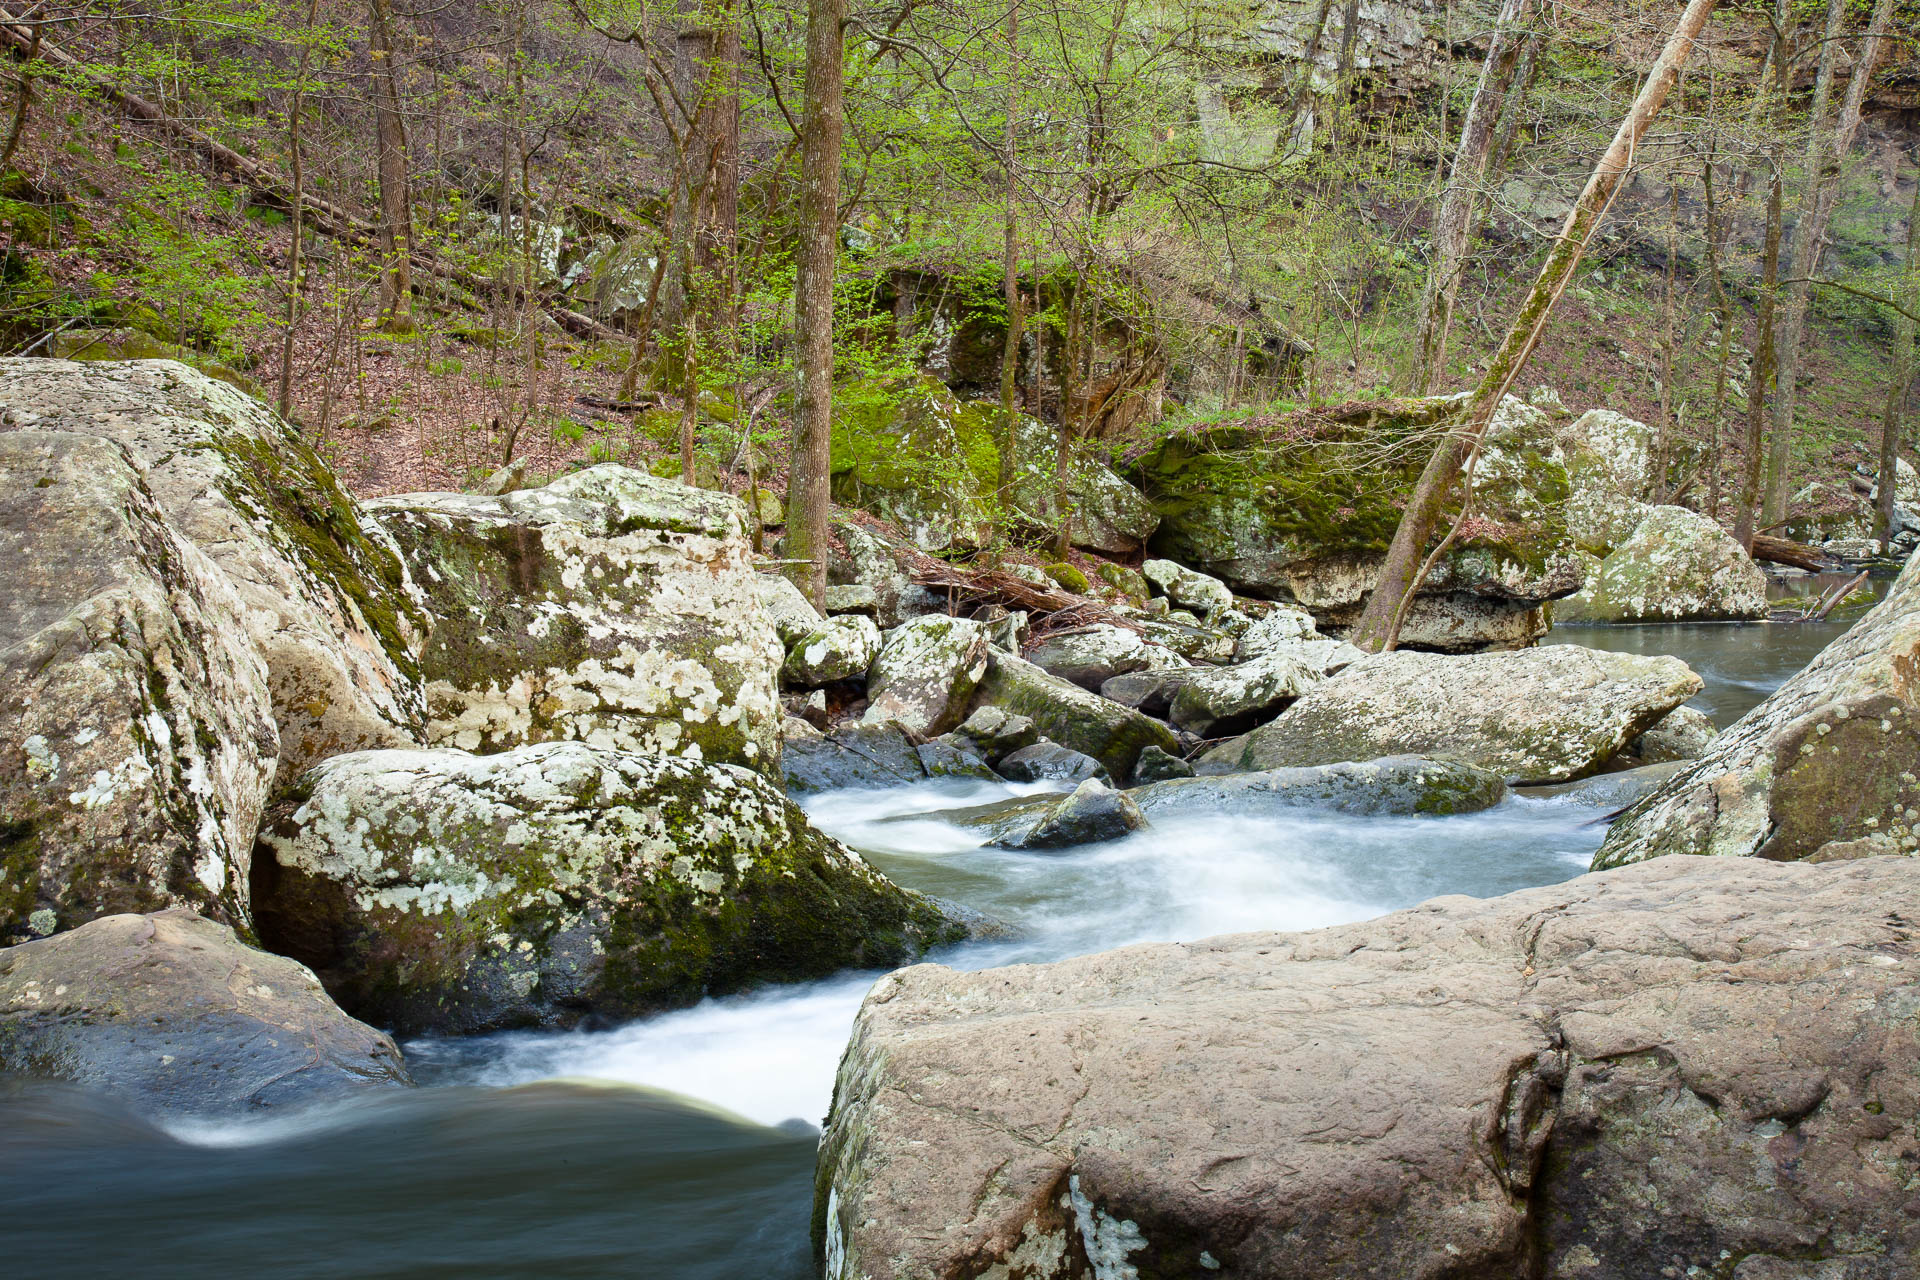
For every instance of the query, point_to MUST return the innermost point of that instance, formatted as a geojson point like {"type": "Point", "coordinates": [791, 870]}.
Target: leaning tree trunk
{"type": "Point", "coordinates": [396, 210]}
{"type": "Point", "coordinates": [1407, 562]}
{"type": "Point", "coordinates": [1901, 375]}
{"type": "Point", "coordinates": [1453, 226]}
{"type": "Point", "coordinates": [809, 474]}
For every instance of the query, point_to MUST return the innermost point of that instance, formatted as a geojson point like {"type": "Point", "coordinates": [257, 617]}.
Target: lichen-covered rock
{"type": "Point", "coordinates": [1609, 461]}
{"type": "Point", "coordinates": [137, 738]}
{"type": "Point", "coordinates": [1091, 655]}
{"type": "Point", "coordinates": [1676, 566]}
{"type": "Point", "coordinates": [878, 563]}
{"type": "Point", "coordinates": [1280, 628]}
{"type": "Point", "coordinates": [1216, 701]}
{"type": "Point", "coordinates": [325, 597]}
{"type": "Point", "coordinates": [1538, 715]}
{"type": "Point", "coordinates": [1302, 511]}
{"type": "Point", "coordinates": [853, 756]}
{"type": "Point", "coordinates": [925, 672]}
{"type": "Point", "coordinates": [1395, 785]}
{"type": "Point", "coordinates": [1187, 588]}
{"type": "Point", "coordinates": [437, 890]}
{"type": "Point", "coordinates": [839, 648]}
{"type": "Point", "coordinates": [1825, 767]}
{"type": "Point", "coordinates": [1069, 715]}
{"type": "Point", "coordinates": [789, 611]}
{"type": "Point", "coordinates": [1702, 1067]}
{"type": "Point", "coordinates": [609, 607]}
{"type": "Point", "coordinates": [1105, 513]}
{"type": "Point", "coordinates": [173, 1014]}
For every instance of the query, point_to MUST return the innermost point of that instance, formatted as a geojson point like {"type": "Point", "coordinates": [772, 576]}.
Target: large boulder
{"type": "Point", "coordinates": [1824, 768]}
{"type": "Point", "coordinates": [1395, 785]}
{"type": "Point", "coordinates": [1538, 715]}
{"type": "Point", "coordinates": [908, 451]}
{"type": "Point", "coordinates": [1676, 566]}
{"type": "Point", "coordinates": [1301, 509]}
{"type": "Point", "coordinates": [1694, 1068]}
{"type": "Point", "coordinates": [437, 890]}
{"type": "Point", "coordinates": [840, 648]}
{"type": "Point", "coordinates": [1609, 462]}
{"type": "Point", "coordinates": [1069, 715]}
{"type": "Point", "coordinates": [1105, 513]}
{"type": "Point", "coordinates": [609, 607]}
{"type": "Point", "coordinates": [926, 671]}
{"type": "Point", "coordinates": [1091, 655]}
{"type": "Point", "coordinates": [324, 595]}
{"type": "Point", "coordinates": [173, 1014]}
{"type": "Point", "coordinates": [137, 737]}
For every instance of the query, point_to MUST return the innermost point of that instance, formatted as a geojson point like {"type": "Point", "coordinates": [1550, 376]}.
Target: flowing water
{"type": "Point", "coordinates": [682, 1145]}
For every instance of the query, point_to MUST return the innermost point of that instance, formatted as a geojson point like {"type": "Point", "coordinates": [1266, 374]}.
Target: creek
{"type": "Point", "coordinates": [682, 1145]}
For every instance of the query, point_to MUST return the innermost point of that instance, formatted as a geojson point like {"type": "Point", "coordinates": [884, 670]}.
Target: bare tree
{"type": "Point", "coordinates": [1901, 375]}
{"type": "Point", "coordinates": [1408, 562]}
{"type": "Point", "coordinates": [396, 210]}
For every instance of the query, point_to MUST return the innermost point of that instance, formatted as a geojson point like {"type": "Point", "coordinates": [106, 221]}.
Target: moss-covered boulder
{"type": "Point", "coordinates": [610, 607]}
{"type": "Point", "coordinates": [1609, 462]}
{"type": "Point", "coordinates": [1104, 512]}
{"type": "Point", "coordinates": [324, 596]}
{"type": "Point", "coordinates": [1301, 507]}
{"type": "Point", "coordinates": [908, 451]}
{"type": "Point", "coordinates": [1539, 715]}
{"type": "Point", "coordinates": [437, 890]}
{"type": "Point", "coordinates": [1676, 566]}
{"type": "Point", "coordinates": [1825, 768]}
{"type": "Point", "coordinates": [173, 1014]}
{"type": "Point", "coordinates": [137, 742]}
{"type": "Point", "coordinates": [1069, 715]}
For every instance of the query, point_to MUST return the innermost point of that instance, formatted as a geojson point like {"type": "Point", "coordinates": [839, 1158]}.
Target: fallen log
{"type": "Point", "coordinates": [1797, 555]}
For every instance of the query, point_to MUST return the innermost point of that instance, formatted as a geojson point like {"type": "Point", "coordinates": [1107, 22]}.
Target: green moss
{"type": "Point", "coordinates": [1069, 578]}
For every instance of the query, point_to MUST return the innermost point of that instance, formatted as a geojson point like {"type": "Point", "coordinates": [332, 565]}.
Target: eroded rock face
{"type": "Point", "coordinates": [1825, 767]}
{"type": "Point", "coordinates": [608, 607]}
{"type": "Point", "coordinates": [172, 1013]}
{"type": "Point", "coordinates": [137, 737]}
{"type": "Point", "coordinates": [1070, 716]}
{"type": "Point", "coordinates": [324, 596]}
{"type": "Point", "coordinates": [1676, 566]}
{"type": "Point", "coordinates": [437, 890]}
{"type": "Point", "coordinates": [1538, 715]}
{"type": "Point", "coordinates": [1667, 1068]}
{"type": "Point", "coordinates": [925, 672]}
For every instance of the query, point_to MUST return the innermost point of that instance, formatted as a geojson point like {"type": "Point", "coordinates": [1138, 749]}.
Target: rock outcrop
{"type": "Point", "coordinates": [1537, 715]}
{"type": "Point", "coordinates": [138, 735]}
{"type": "Point", "coordinates": [1676, 566]}
{"type": "Point", "coordinates": [437, 890]}
{"type": "Point", "coordinates": [609, 607]}
{"type": "Point", "coordinates": [1069, 715]}
{"type": "Point", "coordinates": [171, 1013]}
{"type": "Point", "coordinates": [324, 596]}
{"type": "Point", "coordinates": [1824, 768]}
{"type": "Point", "coordinates": [1700, 1067]}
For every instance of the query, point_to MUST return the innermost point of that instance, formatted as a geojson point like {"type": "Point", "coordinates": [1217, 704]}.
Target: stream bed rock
{"type": "Point", "coordinates": [1826, 767]}
{"type": "Point", "coordinates": [1676, 566]}
{"type": "Point", "coordinates": [440, 891]}
{"type": "Point", "coordinates": [1697, 1067]}
{"type": "Point", "coordinates": [173, 1014]}
{"type": "Point", "coordinates": [1070, 716]}
{"type": "Point", "coordinates": [1536, 715]}
{"type": "Point", "coordinates": [1395, 785]}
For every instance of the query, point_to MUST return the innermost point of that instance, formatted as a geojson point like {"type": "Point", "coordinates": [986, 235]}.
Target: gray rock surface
{"type": "Point", "coordinates": [1829, 759]}
{"type": "Point", "coordinates": [1394, 785]}
{"type": "Point", "coordinates": [1049, 762]}
{"type": "Point", "coordinates": [1699, 1067]}
{"type": "Point", "coordinates": [441, 891]}
{"type": "Point", "coordinates": [1151, 692]}
{"type": "Point", "coordinates": [1187, 588]}
{"type": "Point", "coordinates": [323, 593]}
{"type": "Point", "coordinates": [838, 649]}
{"type": "Point", "coordinates": [1105, 513]}
{"type": "Point", "coordinates": [1676, 566]}
{"type": "Point", "coordinates": [880, 563]}
{"type": "Point", "coordinates": [1684, 733]}
{"type": "Point", "coordinates": [173, 1014]}
{"type": "Point", "coordinates": [1090, 656]}
{"type": "Point", "coordinates": [609, 607]}
{"type": "Point", "coordinates": [137, 735]}
{"type": "Point", "coordinates": [789, 612]}
{"type": "Point", "coordinates": [1217, 701]}
{"type": "Point", "coordinates": [1091, 813]}
{"type": "Point", "coordinates": [926, 671]}
{"type": "Point", "coordinates": [852, 756]}
{"type": "Point", "coordinates": [995, 733]}
{"type": "Point", "coordinates": [1069, 715]}
{"type": "Point", "coordinates": [1535, 715]}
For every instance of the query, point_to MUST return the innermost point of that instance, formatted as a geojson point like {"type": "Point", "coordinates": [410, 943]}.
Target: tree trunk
{"type": "Point", "coordinates": [1405, 566]}
{"type": "Point", "coordinates": [809, 497]}
{"type": "Point", "coordinates": [1901, 374]}
{"type": "Point", "coordinates": [1010, 274]}
{"type": "Point", "coordinates": [283, 393]}
{"type": "Point", "coordinates": [1762, 370]}
{"type": "Point", "coordinates": [1453, 224]}
{"type": "Point", "coordinates": [396, 210]}
{"type": "Point", "coordinates": [1723, 312]}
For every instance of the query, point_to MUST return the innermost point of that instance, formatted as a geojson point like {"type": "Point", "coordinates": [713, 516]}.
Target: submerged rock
{"type": "Point", "coordinates": [1395, 785]}
{"type": "Point", "coordinates": [137, 737]}
{"type": "Point", "coordinates": [1676, 566]}
{"type": "Point", "coordinates": [1069, 715]}
{"type": "Point", "coordinates": [1829, 759]}
{"type": "Point", "coordinates": [1538, 715]}
{"type": "Point", "coordinates": [324, 595]}
{"type": "Point", "coordinates": [609, 607]}
{"type": "Point", "coordinates": [172, 1013]}
{"type": "Point", "coordinates": [1658, 1070]}
{"type": "Point", "coordinates": [436, 890]}
{"type": "Point", "coordinates": [926, 671]}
